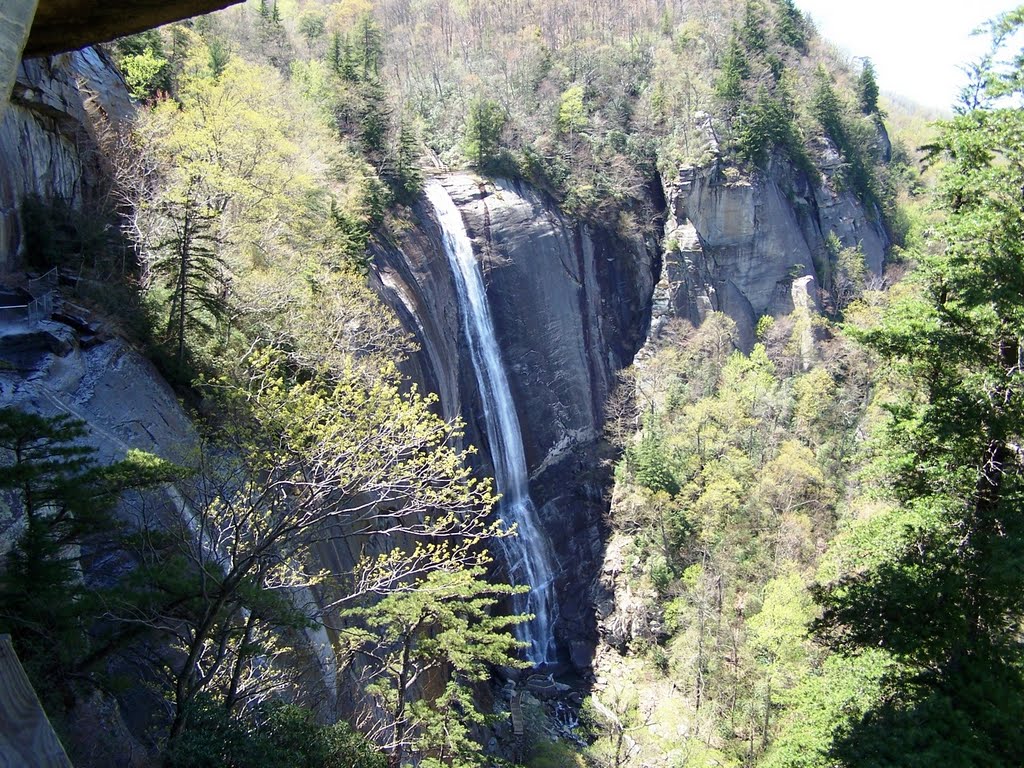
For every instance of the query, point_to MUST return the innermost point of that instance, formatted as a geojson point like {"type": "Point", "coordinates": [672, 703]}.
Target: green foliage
{"type": "Point", "coordinates": [402, 172]}
{"type": "Point", "coordinates": [791, 25]}
{"type": "Point", "coordinates": [572, 114]}
{"type": "Point", "coordinates": [67, 501]}
{"type": "Point", "coordinates": [144, 62]}
{"type": "Point", "coordinates": [482, 137]}
{"type": "Point", "coordinates": [312, 26]}
{"type": "Point", "coordinates": [767, 125]}
{"type": "Point", "coordinates": [442, 624]}
{"type": "Point", "coordinates": [753, 451]}
{"type": "Point", "coordinates": [855, 138]}
{"type": "Point", "coordinates": [273, 735]}
{"type": "Point", "coordinates": [867, 88]}
{"type": "Point", "coordinates": [735, 69]}
{"type": "Point", "coordinates": [143, 72]}
{"type": "Point", "coordinates": [648, 463]}
{"type": "Point", "coordinates": [189, 263]}
{"type": "Point", "coordinates": [944, 598]}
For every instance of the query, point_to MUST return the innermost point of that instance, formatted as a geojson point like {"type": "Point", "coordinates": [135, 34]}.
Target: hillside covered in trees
{"type": "Point", "coordinates": [810, 555]}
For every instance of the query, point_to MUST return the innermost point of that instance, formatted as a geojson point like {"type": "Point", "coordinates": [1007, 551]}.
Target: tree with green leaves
{"type": "Point", "coordinates": [442, 624]}
{"type": "Point", "coordinates": [867, 88]}
{"type": "Point", "coordinates": [67, 501]}
{"type": "Point", "coordinates": [293, 462]}
{"type": "Point", "coordinates": [484, 125]}
{"type": "Point", "coordinates": [940, 593]}
{"type": "Point", "coordinates": [271, 735]}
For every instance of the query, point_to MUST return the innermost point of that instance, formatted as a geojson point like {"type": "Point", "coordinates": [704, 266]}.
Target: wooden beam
{"type": "Point", "coordinates": [27, 739]}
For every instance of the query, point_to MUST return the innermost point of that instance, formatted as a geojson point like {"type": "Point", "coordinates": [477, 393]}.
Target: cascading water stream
{"type": "Point", "coordinates": [528, 554]}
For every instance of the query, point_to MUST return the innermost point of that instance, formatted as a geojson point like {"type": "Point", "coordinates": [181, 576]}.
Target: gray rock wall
{"type": "Point", "coordinates": [51, 136]}
{"type": "Point", "coordinates": [737, 244]}
{"type": "Point", "coordinates": [571, 306]}
{"type": "Point", "coordinates": [15, 20]}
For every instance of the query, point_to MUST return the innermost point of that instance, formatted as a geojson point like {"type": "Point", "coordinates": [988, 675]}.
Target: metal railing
{"type": "Point", "coordinates": [43, 290]}
{"type": "Point", "coordinates": [43, 283]}
{"type": "Point", "coordinates": [41, 307]}
{"type": "Point", "coordinates": [13, 313]}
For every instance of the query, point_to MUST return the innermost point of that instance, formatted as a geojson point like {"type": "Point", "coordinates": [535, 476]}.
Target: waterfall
{"type": "Point", "coordinates": [528, 554]}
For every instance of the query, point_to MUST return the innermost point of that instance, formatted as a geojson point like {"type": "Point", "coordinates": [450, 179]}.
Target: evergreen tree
{"type": "Point", "coordinates": [484, 126]}
{"type": "Point", "coordinates": [67, 500]}
{"type": "Point", "coordinates": [791, 25]}
{"type": "Point", "coordinates": [192, 269]}
{"type": "Point", "coordinates": [444, 625]}
{"type": "Point", "coordinates": [827, 108]}
{"type": "Point", "coordinates": [944, 598]}
{"type": "Point", "coordinates": [403, 173]}
{"type": "Point", "coordinates": [370, 46]}
{"type": "Point", "coordinates": [735, 69]}
{"type": "Point", "coordinates": [752, 33]}
{"type": "Point", "coordinates": [867, 88]}
{"type": "Point", "coordinates": [374, 121]}
{"type": "Point", "coordinates": [334, 54]}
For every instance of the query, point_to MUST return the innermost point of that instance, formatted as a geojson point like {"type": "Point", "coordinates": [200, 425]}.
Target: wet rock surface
{"type": "Point", "coordinates": [571, 306]}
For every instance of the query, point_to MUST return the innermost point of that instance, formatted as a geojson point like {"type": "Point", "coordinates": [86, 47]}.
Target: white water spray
{"type": "Point", "coordinates": [528, 554]}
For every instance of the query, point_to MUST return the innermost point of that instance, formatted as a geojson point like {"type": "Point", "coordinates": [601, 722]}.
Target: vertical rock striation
{"type": "Point", "coordinates": [570, 306]}
{"type": "Point", "coordinates": [51, 136]}
{"type": "Point", "coordinates": [739, 244]}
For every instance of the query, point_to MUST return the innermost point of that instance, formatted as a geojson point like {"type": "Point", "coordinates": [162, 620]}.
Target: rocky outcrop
{"type": "Point", "coordinates": [737, 244]}
{"type": "Point", "coordinates": [51, 136]}
{"type": "Point", "coordinates": [571, 306]}
{"type": "Point", "coordinates": [15, 21]}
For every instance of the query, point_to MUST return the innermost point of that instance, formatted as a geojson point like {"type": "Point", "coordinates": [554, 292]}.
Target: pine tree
{"type": "Point", "coordinates": [752, 32]}
{"type": "Point", "coordinates": [791, 26]}
{"type": "Point", "coordinates": [334, 54]}
{"type": "Point", "coordinates": [943, 598]}
{"type": "Point", "coordinates": [484, 125]}
{"type": "Point", "coordinates": [867, 88]}
{"type": "Point", "coordinates": [445, 625]}
{"type": "Point", "coordinates": [403, 172]}
{"type": "Point", "coordinates": [735, 69]}
{"type": "Point", "coordinates": [370, 46]}
{"type": "Point", "coordinates": [67, 500]}
{"type": "Point", "coordinates": [192, 269]}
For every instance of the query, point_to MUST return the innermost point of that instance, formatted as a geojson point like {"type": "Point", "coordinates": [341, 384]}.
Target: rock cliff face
{"type": "Point", "coordinates": [51, 135]}
{"type": "Point", "coordinates": [738, 245]}
{"type": "Point", "coordinates": [15, 21]}
{"type": "Point", "coordinates": [571, 306]}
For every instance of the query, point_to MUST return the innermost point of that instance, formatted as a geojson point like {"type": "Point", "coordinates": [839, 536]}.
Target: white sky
{"type": "Point", "coordinates": [916, 45]}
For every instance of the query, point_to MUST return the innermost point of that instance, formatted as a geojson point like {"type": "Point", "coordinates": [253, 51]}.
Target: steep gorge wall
{"type": "Point", "coordinates": [739, 244]}
{"type": "Point", "coordinates": [571, 306]}
{"type": "Point", "coordinates": [52, 134]}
